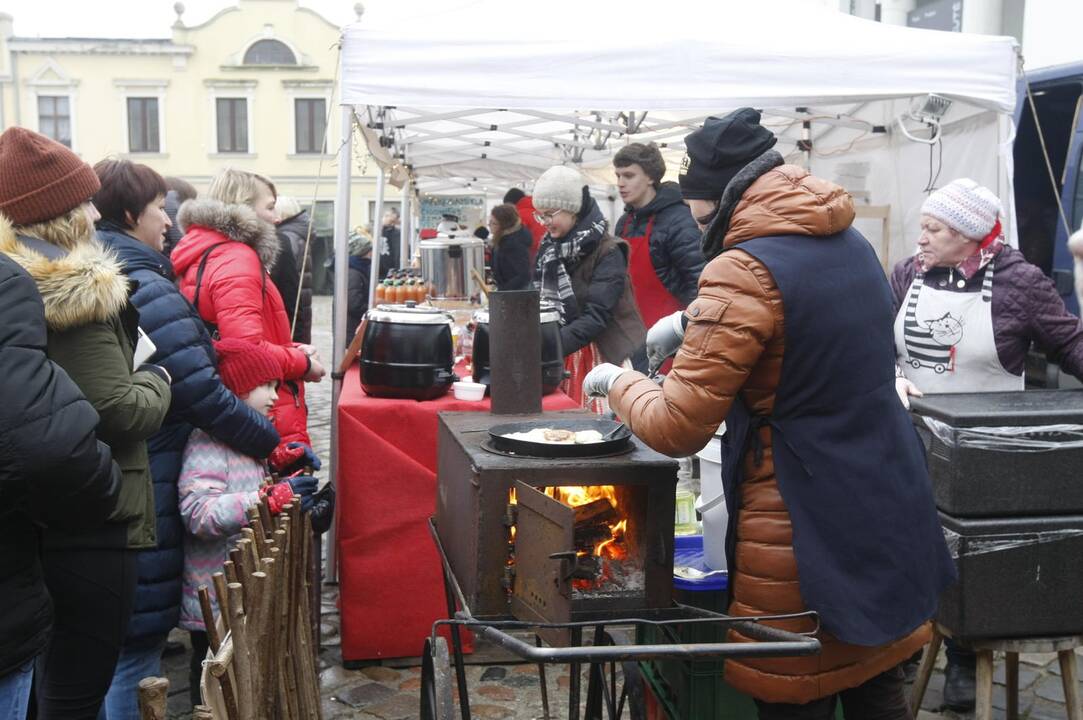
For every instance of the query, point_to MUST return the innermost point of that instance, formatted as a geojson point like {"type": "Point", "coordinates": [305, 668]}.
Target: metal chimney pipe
{"type": "Point", "coordinates": [515, 352]}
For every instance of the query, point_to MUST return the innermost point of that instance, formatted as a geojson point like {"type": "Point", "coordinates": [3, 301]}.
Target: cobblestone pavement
{"type": "Point", "coordinates": [390, 691]}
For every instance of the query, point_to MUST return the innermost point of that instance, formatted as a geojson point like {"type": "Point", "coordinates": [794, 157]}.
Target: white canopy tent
{"type": "Point", "coordinates": [468, 95]}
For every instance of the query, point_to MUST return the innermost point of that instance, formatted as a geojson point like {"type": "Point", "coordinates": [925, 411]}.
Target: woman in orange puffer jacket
{"type": "Point", "coordinates": [789, 340]}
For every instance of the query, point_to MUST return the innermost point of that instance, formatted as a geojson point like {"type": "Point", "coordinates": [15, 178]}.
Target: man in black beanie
{"type": "Point", "coordinates": [790, 342]}
{"type": "Point", "coordinates": [716, 154]}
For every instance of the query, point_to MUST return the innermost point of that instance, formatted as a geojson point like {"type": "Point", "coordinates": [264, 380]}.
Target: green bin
{"type": "Point", "coordinates": [696, 690]}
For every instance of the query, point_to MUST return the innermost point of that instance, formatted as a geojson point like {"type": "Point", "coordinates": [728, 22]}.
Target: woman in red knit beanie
{"type": "Point", "coordinates": [47, 227]}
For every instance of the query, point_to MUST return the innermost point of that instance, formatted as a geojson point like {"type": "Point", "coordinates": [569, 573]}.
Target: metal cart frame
{"type": "Point", "coordinates": [601, 656]}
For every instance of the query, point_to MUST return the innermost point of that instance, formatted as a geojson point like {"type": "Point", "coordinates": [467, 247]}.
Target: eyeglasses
{"type": "Point", "coordinates": [546, 218]}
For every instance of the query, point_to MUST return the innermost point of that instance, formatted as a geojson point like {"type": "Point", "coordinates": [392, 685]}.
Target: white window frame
{"type": "Point", "coordinates": [143, 89]}
{"type": "Point", "coordinates": [267, 32]}
{"type": "Point", "coordinates": [242, 89]}
{"type": "Point", "coordinates": [309, 90]}
{"type": "Point", "coordinates": [65, 86]}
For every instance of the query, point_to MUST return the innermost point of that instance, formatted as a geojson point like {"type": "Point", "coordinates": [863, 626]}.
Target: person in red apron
{"type": "Point", "coordinates": [583, 270]}
{"type": "Point", "coordinates": [665, 259]}
{"type": "Point", "coordinates": [968, 308]}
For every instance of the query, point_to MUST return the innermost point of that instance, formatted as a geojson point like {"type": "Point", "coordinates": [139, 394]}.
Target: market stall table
{"type": "Point", "coordinates": [389, 573]}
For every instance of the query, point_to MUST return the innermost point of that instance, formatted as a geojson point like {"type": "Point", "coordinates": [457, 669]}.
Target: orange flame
{"type": "Point", "coordinates": [608, 549]}
{"type": "Point", "coordinates": [577, 495]}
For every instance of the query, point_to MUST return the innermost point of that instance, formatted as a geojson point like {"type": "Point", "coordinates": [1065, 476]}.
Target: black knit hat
{"type": "Point", "coordinates": [718, 150]}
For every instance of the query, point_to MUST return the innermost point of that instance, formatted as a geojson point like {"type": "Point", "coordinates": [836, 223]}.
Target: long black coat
{"type": "Point", "coordinates": [289, 279]}
{"type": "Point", "coordinates": [390, 260]}
{"type": "Point", "coordinates": [53, 470]}
{"type": "Point", "coordinates": [511, 260]}
{"type": "Point", "coordinates": [674, 243]}
{"type": "Point", "coordinates": [357, 293]}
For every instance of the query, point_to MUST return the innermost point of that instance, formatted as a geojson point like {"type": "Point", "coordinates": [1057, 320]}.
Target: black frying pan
{"type": "Point", "coordinates": [535, 449]}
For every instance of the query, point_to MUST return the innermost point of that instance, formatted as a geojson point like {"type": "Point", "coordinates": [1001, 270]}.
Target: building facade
{"type": "Point", "coordinates": [252, 87]}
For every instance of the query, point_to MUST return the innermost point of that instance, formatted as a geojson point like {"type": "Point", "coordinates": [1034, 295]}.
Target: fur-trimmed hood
{"type": "Point", "coordinates": [236, 222]}
{"type": "Point", "coordinates": [78, 287]}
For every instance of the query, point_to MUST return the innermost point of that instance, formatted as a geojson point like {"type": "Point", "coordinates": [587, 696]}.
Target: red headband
{"type": "Point", "coordinates": [993, 235]}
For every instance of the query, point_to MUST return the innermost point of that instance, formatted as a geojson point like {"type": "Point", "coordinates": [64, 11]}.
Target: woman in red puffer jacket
{"type": "Point", "coordinates": [222, 265]}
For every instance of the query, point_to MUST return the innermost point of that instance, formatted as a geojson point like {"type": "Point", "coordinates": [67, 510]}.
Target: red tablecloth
{"type": "Point", "coordinates": [390, 584]}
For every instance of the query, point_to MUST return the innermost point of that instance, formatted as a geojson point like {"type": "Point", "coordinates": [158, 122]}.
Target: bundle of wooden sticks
{"type": "Point", "coordinates": [262, 659]}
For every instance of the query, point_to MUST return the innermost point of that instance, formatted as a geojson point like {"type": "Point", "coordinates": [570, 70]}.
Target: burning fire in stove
{"type": "Point", "coordinates": [605, 560]}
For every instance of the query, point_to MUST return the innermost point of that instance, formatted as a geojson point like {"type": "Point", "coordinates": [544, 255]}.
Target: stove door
{"type": "Point", "coordinates": [544, 562]}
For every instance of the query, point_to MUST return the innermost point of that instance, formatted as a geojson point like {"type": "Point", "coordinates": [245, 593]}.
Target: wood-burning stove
{"type": "Point", "coordinates": [578, 538]}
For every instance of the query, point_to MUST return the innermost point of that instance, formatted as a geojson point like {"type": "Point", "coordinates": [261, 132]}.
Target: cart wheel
{"type": "Point", "coordinates": [437, 702]}
{"type": "Point", "coordinates": [915, 363]}
{"type": "Point", "coordinates": [939, 369]}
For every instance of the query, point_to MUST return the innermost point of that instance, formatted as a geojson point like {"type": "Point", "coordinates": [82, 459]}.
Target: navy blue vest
{"type": "Point", "coordinates": [871, 557]}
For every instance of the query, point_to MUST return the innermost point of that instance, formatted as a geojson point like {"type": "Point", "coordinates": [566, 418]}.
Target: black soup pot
{"type": "Point", "coordinates": [407, 352]}
{"type": "Point", "coordinates": [552, 355]}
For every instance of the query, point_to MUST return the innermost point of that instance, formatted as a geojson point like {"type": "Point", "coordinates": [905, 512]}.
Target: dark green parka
{"type": "Point", "coordinates": [92, 331]}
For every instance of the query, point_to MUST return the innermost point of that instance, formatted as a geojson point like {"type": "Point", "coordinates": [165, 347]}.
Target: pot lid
{"type": "Point", "coordinates": [547, 313]}
{"type": "Point", "coordinates": [409, 313]}
{"type": "Point", "coordinates": [451, 241]}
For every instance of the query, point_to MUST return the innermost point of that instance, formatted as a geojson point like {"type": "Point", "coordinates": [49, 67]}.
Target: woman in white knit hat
{"type": "Point", "coordinates": [968, 309]}
{"type": "Point", "coordinates": [582, 268]}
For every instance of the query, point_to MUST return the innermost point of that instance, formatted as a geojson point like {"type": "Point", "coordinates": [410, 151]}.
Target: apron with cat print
{"type": "Point", "coordinates": [944, 340]}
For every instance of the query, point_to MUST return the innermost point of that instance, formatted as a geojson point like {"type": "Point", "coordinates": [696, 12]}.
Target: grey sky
{"type": "Point", "coordinates": [1050, 34]}
{"type": "Point", "coordinates": [134, 18]}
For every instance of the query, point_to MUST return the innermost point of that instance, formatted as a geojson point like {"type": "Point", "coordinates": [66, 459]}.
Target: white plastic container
{"type": "Point", "coordinates": [466, 390]}
{"type": "Point", "coordinates": [712, 502]}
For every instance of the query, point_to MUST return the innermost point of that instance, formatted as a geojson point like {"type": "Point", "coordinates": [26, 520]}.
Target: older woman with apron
{"type": "Point", "coordinates": [968, 307]}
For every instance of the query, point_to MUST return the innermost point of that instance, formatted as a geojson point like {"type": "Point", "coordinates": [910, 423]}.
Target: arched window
{"type": "Point", "coordinates": [269, 52]}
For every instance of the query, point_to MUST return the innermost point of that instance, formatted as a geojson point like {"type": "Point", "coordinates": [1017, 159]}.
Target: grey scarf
{"type": "Point", "coordinates": [555, 257]}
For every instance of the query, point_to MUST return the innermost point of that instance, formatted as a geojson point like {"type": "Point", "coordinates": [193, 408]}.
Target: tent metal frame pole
{"type": "Point", "coordinates": [407, 230]}
{"type": "Point", "coordinates": [338, 311]}
{"type": "Point", "coordinates": [377, 233]}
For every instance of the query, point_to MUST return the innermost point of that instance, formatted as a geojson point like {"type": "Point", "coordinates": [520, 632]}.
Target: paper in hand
{"type": "Point", "coordinates": [144, 350]}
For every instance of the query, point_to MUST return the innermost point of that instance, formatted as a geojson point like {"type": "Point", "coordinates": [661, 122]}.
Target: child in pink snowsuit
{"type": "Point", "coordinates": [218, 484]}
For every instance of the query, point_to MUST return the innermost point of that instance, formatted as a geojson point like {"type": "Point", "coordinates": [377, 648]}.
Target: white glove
{"type": "Point", "coordinates": [599, 381]}
{"type": "Point", "coordinates": [664, 338]}
{"type": "Point", "coordinates": [905, 388]}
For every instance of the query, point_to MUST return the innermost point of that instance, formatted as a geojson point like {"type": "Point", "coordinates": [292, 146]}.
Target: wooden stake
{"type": "Point", "coordinates": [230, 568]}
{"type": "Point", "coordinates": [222, 596]}
{"type": "Point", "coordinates": [283, 659]}
{"type": "Point", "coordinates": [312, 680]}
{"type": "Point", "coordinates": [264, 508]}
{"type": "Point", "coordinates": [153, 693]}
{"type": "Point", "coordinates": [253, 548]}
{"type": "Point", "coordinates": [220, 669]}
{"type": "Point", "coordinates": [294, 670]}
{"type": "Point", "coordinates": [223, 659]}
{"type": "Point", "coordinates": [242, 666]}
{"type": "Point", "coordinates": [269, 642]}
{"type": "Point", "coordinates": [247, 545]}
{"type": "Point", "coordinates": [256, 630]}
{"type": "Point", "coordinates": [237, 558]}
{"type": "Point", "coordinates": [257, 532]}
{"type": "Point", "coordinates": [208, 618]}
{"type": "Point", "coordinates": [310, 704]}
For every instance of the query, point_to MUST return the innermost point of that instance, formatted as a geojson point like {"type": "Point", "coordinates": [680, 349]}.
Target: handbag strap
{"type": "Point", "coordinates": [203, 267]}
{"type": "Point", "coordinates": [199, 272]}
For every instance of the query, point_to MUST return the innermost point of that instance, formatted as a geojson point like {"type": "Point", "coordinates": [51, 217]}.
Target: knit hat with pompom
{"type": "Point", "coordinates": [244, 365]}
